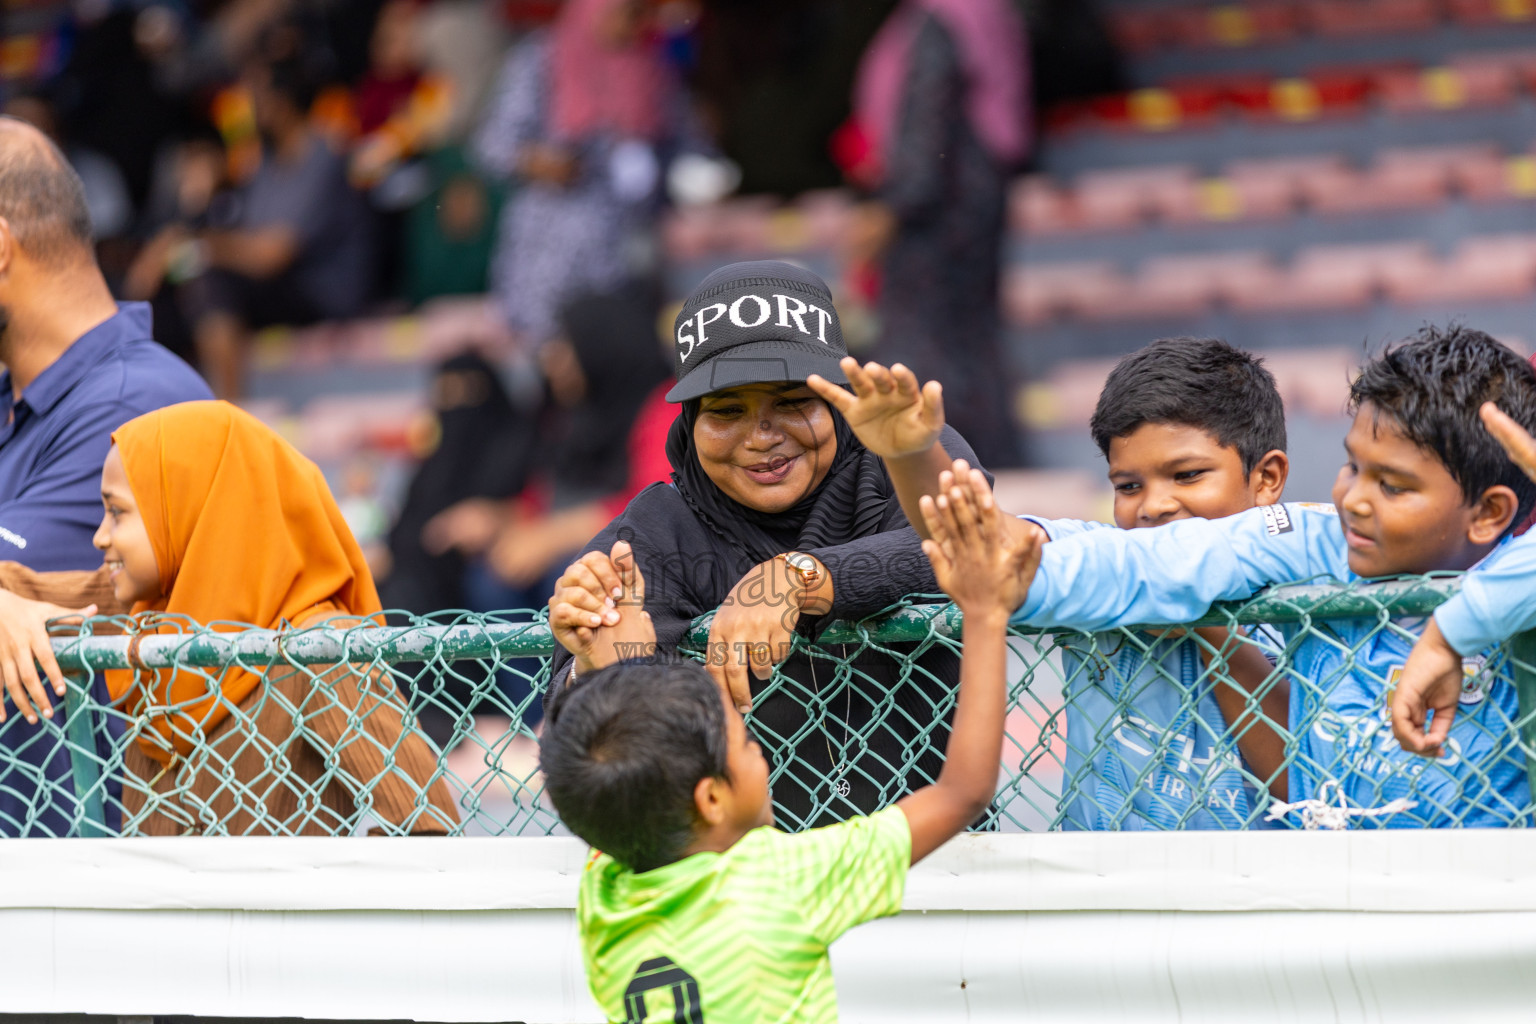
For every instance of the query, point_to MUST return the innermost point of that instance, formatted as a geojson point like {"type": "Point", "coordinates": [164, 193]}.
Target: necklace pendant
{"type": "Point", "coordinates": [842, 788]}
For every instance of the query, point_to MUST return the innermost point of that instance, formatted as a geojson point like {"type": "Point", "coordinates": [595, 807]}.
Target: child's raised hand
{"type": "Point", "coordinates": [887, 410]}
{"type": "Point", "coordinates": [983, 559]}
{"type": "Point", "coordinates": [1516, 441]}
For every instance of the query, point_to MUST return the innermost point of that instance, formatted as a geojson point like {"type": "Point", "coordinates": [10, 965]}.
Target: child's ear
{"type": "Point", "coordinates": [1267, 480]}
{"type": "Point", "coordinates": [1492, 514]}
{"type": "Point", "coordinates": [709, 801]}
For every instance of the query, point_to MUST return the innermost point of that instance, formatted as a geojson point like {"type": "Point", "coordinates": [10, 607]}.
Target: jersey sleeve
{"type": "Point", "coordinates": [1101, 579]}
{"type": "Point", "coordinates": [845, 874]}
{"type": "Point", "coordinates": [1061, 529]}
{"type": "Point", "coordinates": [1496, 601]}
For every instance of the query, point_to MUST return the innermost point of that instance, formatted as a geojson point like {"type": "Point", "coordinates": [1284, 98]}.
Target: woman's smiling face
{"type": "Point", "coordinates": [766, 446]}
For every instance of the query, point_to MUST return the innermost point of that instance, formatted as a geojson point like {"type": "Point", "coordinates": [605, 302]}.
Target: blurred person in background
{"type": "Point", "coordinates": [300, 248]}
{"type": "Point", "coordinates": [479, 445]}
{"type": "Point", "coordinates": [576, 124]}
{"type": "Point", "coordinates": [606, 442]}
{"type": "Point", "coordinates": [601, 443]}
{"type": "Point", "coordinates": [400, 108]}
{"type": "Point", "coordinates": [451, 231]}
{"type": "Point", "coordinates": [941, 119]}
{"type": "Point", "coordinates": [191, 191]}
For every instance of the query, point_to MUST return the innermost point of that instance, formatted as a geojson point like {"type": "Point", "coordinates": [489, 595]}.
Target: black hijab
{"type": "Point", "coordinates": [614, 337]}
{"type": "Point", "coordinates": [850, 502]}
{"type": "Point", "coordinates": [484, 450]}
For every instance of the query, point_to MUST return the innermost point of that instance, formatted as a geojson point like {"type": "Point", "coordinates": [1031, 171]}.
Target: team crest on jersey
{"type": "Point", "coordinates": [1276, 520]}
{"type": "Point", "coordinates": [1474, 682]}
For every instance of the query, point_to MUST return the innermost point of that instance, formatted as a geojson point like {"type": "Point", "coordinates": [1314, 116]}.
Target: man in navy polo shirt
{"type": "Point", "coordinates": [78, 366]}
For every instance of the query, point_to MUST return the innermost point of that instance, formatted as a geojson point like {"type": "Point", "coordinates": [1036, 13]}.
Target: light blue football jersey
{"type": "Point", "coordinates": [1496, 602]}
{"type": "Point", "coordinates": [1098, 579]}
{"type": "Point", "coordinates": [1145, 742]}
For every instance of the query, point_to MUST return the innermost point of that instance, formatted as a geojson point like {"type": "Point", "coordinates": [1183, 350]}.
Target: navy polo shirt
{"type": "Point", "coordinates": [52, 448]}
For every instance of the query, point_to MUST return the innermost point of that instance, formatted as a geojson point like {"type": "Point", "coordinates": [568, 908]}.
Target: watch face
{"type": "Point", "coordinates": [801, 562]}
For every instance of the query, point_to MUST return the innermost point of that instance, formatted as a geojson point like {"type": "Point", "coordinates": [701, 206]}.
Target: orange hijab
{"type": "Point", "coordinates": [245, 530]}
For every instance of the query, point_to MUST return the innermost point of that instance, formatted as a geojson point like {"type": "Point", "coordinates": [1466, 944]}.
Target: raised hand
{"type": "Point", "coordinates": [887, 410]}
{"type": "Point", "coordinates": [983, 559]}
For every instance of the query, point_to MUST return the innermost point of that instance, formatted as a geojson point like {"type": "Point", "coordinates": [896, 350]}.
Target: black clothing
{"type": "Point", "coordinates": [938, 304]}
{"type": "Point", "coordinates": [484, 450]}
{"type": "Point", "coordinates": [878, 709]}
{"type": "Point", "coordinates": [614, 337]}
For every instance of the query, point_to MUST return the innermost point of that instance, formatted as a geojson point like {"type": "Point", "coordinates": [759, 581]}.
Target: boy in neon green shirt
{"type": "Point", "coordinates": [696, 909]}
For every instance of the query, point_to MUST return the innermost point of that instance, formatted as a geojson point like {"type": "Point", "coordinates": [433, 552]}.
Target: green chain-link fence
{"type": "Point", "coordinates": [429, 726]}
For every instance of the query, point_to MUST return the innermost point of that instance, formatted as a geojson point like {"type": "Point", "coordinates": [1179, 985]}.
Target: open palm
{"type": "Point", "coordinates": [889, 413]}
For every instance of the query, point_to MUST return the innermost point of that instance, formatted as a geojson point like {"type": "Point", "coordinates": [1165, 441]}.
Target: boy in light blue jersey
{"type": "Point", "coordinates": [1495, 603]}
{"type": "Point", "coordinates": [1189, 427]}
{"type": "Point", "coordinates": [1423, 488]}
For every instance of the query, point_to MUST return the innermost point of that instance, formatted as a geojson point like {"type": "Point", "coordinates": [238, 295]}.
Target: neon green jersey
{"type": "Point", "coordinates": [739, 936]}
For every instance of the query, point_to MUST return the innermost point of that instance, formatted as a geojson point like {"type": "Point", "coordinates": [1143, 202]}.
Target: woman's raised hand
{"type": "Point", "coordinates": [598, 609]}
{"type": "Point", "coordinates": [888, 411]}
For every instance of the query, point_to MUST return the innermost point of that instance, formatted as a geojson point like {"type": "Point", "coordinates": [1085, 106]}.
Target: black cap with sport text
{"type": "Point", "coordinates": [751, 323]}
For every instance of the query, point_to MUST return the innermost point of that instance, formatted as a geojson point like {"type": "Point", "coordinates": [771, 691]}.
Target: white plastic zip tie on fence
{"type": "Point", "coordinates": [1320, 812]}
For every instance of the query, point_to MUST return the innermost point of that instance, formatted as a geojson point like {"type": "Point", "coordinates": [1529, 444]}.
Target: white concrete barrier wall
{"type": "Point", "coordinates": [1361, 926]}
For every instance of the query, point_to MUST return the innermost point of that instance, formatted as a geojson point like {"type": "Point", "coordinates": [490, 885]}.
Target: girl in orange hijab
{"type": "Point", "coordinates": [212, 517]}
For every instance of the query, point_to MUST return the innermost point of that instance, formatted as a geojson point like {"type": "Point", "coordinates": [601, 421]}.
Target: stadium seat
{"type": "Point", "coordinates": [1490, 12]}
{"type": "Point", "coordinates": [1038, 205]}
{"type": "Point", "coordinates": [1333, 277]}
{"type": "Point", "coordinates": [1400, 179]}
{"type": "Point", "coordinates": [1120, 198]}
{"type": "Point", "coordinates": [1314, 381]}
{"type": "Point", "coordinates": [1271, 187]}
{"type": "Point", "coordinates": [1231, 25]}
{"type": "Point", "coordinates": [1138, 30]}
{"type": "Point", "coordinates": [1490, 267]}
{"type": "Point", "coordinates": [1038, 293]}
{"type": "Point", "coordinates": [1368, 17]}
{"type": "Point", "coordinates": [1183, 285]}
{"type": "Point", "coordinates": [1468, 84]}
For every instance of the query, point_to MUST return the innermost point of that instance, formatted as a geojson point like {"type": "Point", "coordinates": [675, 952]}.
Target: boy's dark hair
{"type": "Point", "coordinates": [1432, 386]}
{"type": "Point", "coordinates": [1197, 382]}
{"type": "Point", "coordinates": [622, 751]}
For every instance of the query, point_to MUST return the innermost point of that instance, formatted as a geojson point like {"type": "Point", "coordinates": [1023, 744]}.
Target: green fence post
{"type": "Point", "coordinates": [84, 764]}
{"type": "Point", "coordinates": [1523, 650]}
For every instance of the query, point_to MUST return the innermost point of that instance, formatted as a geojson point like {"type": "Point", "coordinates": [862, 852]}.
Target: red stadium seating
{"type": "Point", "coordinates": [1038, 293]}
{"type": "Point", "coordinates": [1491, 12]}
{"type": "Point", "coordinates": [1369, 17]}
{"type": "Point", "coordinates": [1229, 25]}
{"type": "Point", "coordinates": [1493, 267]}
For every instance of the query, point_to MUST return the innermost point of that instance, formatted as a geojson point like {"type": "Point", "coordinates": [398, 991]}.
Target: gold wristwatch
{"type": "Point", "coordinates": [805, 567]}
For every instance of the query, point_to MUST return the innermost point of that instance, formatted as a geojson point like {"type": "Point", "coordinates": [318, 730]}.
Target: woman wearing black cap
{"type": "Point", "coordinates": [779, 517]}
